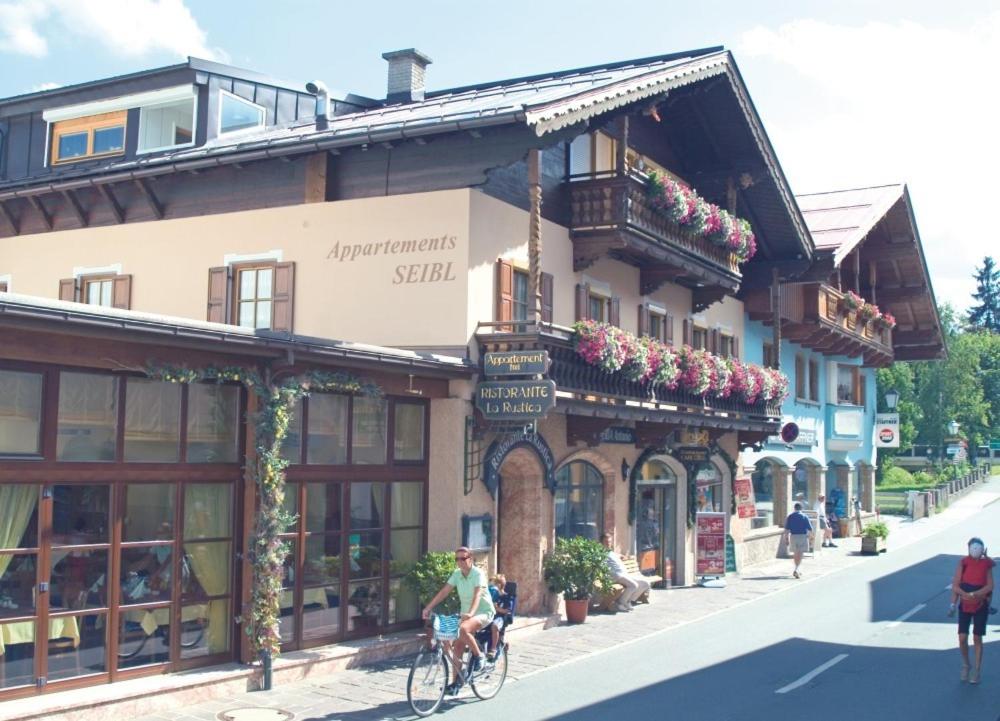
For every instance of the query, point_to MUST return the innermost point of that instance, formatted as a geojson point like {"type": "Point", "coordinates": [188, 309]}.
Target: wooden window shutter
{"type": "Point", "coordinates": [643, 324]}
{"type": "Point", "coordinates": [121, 292]}
{"type": "Point", "coordinates": [800, 377]}
{"type": "Point", "coordinates": [68, 289]}
{"type": "Point", "coordinates": [3, 286]}
{"type": "Point", "coordinates": [713, 340]}
{"type": "Point", "coordinates": [859, 387]}
{"type": "Point", "coordinates": [218, 295]}
{"type": "Point", "coordinates": [686, 337]}
{"type": "Point", "coordinates": [284, 297]}
{"type": "Point", "coordinates": [582, 301]}
{"type": "Point", "coordinates": [668, 329]}
{"type": "Point", "coordinates": [615, 312]}
{"type": "Point", "coordinates": [736, 347]}
{"type": "Point", "coordinates": [547, 283]}
{"type": "Point", "coordinates": [505, 292]}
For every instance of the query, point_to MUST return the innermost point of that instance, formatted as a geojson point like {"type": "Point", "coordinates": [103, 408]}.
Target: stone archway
{"type": "Point", "coordinates": [524, 526]}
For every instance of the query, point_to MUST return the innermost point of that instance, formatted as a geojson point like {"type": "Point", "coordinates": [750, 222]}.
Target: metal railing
{"type": "Point", "coordinates": [921, 504]}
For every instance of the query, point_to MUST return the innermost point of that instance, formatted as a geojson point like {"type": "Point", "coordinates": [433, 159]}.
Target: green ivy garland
{"type": "Point", "coordinates": [277, 399]}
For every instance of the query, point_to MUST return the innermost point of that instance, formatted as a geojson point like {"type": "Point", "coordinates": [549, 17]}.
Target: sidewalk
{"type": "Point", "coordinates": [379, 690]}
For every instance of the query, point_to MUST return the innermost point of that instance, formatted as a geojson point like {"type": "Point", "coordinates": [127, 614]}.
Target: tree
{"type": "Point", "coordinates": [899, 377]}
{"type": "Point", "coordinates": [986, 315]}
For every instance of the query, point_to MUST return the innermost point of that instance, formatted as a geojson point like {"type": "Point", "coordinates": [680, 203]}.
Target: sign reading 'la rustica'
{"type": "Point", "coordinates": [515, 400]}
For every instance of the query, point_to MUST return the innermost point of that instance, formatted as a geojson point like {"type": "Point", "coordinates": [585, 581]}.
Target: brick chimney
{"type": "Point", "coordinates": [406, 75]}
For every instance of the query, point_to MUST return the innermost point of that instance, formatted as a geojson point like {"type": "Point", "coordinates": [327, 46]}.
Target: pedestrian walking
{"type": "Point", "coordinates": [973, 586]}
{"type": "Point", "coordinates": [824, 523]}
{"type": "Point", "coordinates": [798, 529]}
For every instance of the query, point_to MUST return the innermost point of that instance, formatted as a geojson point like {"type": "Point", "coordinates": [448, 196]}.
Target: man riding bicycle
{"type": "Point", "coordinates": [477, 611]}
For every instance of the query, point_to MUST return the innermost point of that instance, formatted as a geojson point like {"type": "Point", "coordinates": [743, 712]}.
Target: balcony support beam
{"type": "Point", "coordinates": [651, 278]}
{"type": "Point", "coordinates": [585, 428]}
{"type": "Point", "coordinates": [702, 298]}
{"type": "Point", "coordinates": [588, 249]}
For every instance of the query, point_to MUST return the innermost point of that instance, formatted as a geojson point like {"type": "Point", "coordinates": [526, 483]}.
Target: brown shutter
{"type": "Point", "coordinates": [615, 313]}
{"type": "Point", "coordinates": [547, 281]}
{"type": "Point", "coordinates": [505, 292]}
{"type": "Point", "coordinates": [859, 387]}
{"type": "Point", "coordinates": [121, 292]}
{"type": "Point", "coordinates": [668, 329]}
{"type": "Point", "coordinates": [736, 347]}
{"type": "Point", "coordinates": [800, 377]}
{"type": "Point", "coordinates": [643, 324]}
{"type": "Point", "coordinates": [582, 301]}
{"type": "Point", "coordinates": [713, 340]}
{"type": "Point", "coordinates": [68, 289]}
{"type": "Point", "coordinates": [284, 297]}
{"type": "Point", "coordinates": [218, 295]}
{"type": "Point", "coordinates": [3, 286]}
{"type": "Point", "coordinates": [686, 337]}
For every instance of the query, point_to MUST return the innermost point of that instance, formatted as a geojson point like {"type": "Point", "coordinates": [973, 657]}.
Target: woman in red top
{"type": "Point", "coordinates": [973, 584]}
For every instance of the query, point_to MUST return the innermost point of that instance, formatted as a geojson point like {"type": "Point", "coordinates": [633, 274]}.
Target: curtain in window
{"type": "Point", "coordinates": [17, 503]}
{"type": "Point", "coordinates": [207, 510]}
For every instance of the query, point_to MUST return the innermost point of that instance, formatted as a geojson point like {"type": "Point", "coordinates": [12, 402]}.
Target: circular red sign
{"type": "Point", "coordinates": [886, 435]}
{"type": "Point", "coordinates": [789, 432]}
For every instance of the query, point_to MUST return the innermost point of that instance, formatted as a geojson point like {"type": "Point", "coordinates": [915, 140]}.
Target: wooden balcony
{"type": "Point", "coordinates": [813, 315]}
{"type": "Point", "coordinates": [610, 215]}
{"type": "Point", "coordinates": [585, 390]}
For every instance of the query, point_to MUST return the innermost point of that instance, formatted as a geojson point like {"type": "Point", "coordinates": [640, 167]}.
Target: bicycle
{"type": "Point", "coordinates": [431, 670]}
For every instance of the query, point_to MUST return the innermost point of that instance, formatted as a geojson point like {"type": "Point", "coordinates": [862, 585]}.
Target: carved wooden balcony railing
{"type": "Point", "coordinates": [813, 315]}
{"type": "Point", "coordinates": [610, 213]}
{"type": "Point", "coordinates": [605, 391]}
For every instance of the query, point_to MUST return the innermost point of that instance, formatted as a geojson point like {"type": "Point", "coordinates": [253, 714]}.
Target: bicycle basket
{"type": "Point", "coordinates": [446, 627]}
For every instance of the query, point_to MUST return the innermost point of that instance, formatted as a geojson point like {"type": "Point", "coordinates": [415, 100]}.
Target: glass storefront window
{"type": "Point", "coordinates": [212, 423]}
{"type": "Point", "coordinates": [763, 491]}
{"type": "Point", "coordinates": [579, 501]}
{"type": "Point", "coordinates": [18, 576]}
{"type": "Point", "coordinates": [366, 505]}
{"type": "Point", "coordinates": [404, 605]}
{"type": "Point", "coordinates": [20, 412]}
{"type": "Point", "coordinates": [365, 554]}
{"type": "Point", "coordinates": [152, 421]}
{"type": "Point", "coordinates": [368, 431]}
{"type": "Point", "coordinates": [17, 664]}
{"type": "Point", "coordinates": [708, 489]}
{"type": "Point", "coordinates": [800, 482]}
{"type": "Point", "coordinates": [404, 549]}
{"type": "Point", "coordinates": [78, 579]}
{"type": "Point", "coordinates": [204, 628]}
{"type": "Point", "coordinates": [322, 565]}
{"type": "Point", "coordinates": [19, 524]}
{"type": "Point", "coordinates": [365, 606]}
{"type": "Point", "coordinates": [146, 574]}
{"type": "Point", "coordinates": [407, 504]}
{"type": "Point", "coordinates": [322, 509]}
{"type": "Point", "coordinates": [291, 448]}
{"type": "Point", "coordinates": [208, 510]}
{"type": "Point", "coordinates": [80, 515]}
{"type": "Point", "coordinates": [408, 431]}
{"type": "Point", "coordinates": [321, 612]}
{"type": "Point", "coordinates": [77, 646]}
{"type": "Point", "coordinates": [144, 637]}
{"type": "Point", "coordinates": [327, 431]}
{"type": "Point", "coordinates": [88, 417]}
{"type": "Point", "coordinates": [149, 512]}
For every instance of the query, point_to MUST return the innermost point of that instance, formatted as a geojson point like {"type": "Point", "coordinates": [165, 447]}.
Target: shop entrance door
{"type": "Point", "coordinates": [656, 529]}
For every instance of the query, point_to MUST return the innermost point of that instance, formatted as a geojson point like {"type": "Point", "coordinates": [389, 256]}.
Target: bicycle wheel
{"type": "Point", "coordinates": [192, 632]}
{"type": "Point", "coordinates": [487, 683]}
{"type": "Point", "coordinates": [131, 640]}
{"type": "Point", "coordinates": [426, 682]}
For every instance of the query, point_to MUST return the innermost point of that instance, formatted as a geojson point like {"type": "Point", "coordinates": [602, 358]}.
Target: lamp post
{"type": "Point", "coordinates": [891, 399]}
{"type": "Point", "coordinates": [953, 426]}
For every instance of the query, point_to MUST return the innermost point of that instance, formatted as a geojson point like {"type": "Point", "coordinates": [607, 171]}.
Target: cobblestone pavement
{"type": "Point", "coordinates": [378, 691]}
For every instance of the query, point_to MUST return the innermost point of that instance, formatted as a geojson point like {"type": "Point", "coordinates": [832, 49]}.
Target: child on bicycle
{"type": "Point", "coordinates": [501, 603]}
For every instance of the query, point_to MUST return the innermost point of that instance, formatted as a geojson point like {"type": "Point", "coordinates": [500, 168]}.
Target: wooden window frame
{"type": "Point", "coordinates": [767, 354]}
{"type": "Point", "coordinates": [695, 331]}
{"type": "Point", "coordinates": [520, 274]}
{"type": "Point", "coordinates": [237, 271]}
{"type": "Point", "coordinates": [858, 386]}
{"type": "Point", "coordinates": [727, 345]}
{"type": "Point", "coordinates": [4, 286]}
{"type": "Point", "coordinates": [86, 281]}
{"type": "Point", "coordinates": [88, 124]}
{"type": "Point", "coordinates": [813, 388]}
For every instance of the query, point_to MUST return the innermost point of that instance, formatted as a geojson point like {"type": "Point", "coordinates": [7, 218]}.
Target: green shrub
{"type": "Point", "coordinates": [575, 567]}
{"type": "Point", "coordinates": [897, 476]}
{"type": "Point", "coordinates": [876, 530]}
{"type": "Point", "coordinates": [428, 575]}
{"type": "Point", "coordinates": [923, 478]}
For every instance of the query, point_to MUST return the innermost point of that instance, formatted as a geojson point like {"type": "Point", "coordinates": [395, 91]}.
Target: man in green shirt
{"type": "Point", "coordinates": [477, 610]}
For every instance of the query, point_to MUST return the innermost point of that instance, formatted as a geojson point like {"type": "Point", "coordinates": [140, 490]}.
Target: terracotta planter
{"type": "Point", "coordinates": [576, 611]}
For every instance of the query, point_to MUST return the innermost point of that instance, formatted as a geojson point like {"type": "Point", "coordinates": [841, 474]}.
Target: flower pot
{"type": "Point", "coordinates": [872, 545]}
{"type": "Point", "coordinates": [576, 610]}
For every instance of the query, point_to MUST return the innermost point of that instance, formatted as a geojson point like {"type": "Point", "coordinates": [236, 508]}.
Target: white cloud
{"type": "Point", "coordinates": [45, 86]}
{"type": "Point", "coordinates": [881, 103]}
{"type": "Point", "coordinates": [124, 27]}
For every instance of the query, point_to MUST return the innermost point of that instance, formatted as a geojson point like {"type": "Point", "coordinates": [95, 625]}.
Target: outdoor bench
{"type": "Point", "coordinates": [604, 600]}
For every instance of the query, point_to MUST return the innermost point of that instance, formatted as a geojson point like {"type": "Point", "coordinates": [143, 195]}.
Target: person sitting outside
{"type": "Point", "coordinates": [501, 602]}
{"type": "Point", "coordinates": [635, 586]}
{"type": "Point", "coordinates": [477, 612]}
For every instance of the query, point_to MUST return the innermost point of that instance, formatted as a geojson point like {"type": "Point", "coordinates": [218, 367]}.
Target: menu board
{"type": "Point", "coordinates": [745, 506]}
{"type": "Point", "coordinates": [710, 544]}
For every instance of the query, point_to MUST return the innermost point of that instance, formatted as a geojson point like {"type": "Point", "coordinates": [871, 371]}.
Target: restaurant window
{"type": "Point", "coordinates": [408, 432]}
{"type": "Point", "coordinates": [708, 489]}
{"type": "Point", "coordinates": [327, 431]}
{"type": "Point", "coordinates": [406, 544]}
{"type": "Point", "coordinates": [212, 423]}
{"type": "Point", "coordinates": [235, 113]}
{"type": "Point", "coordinates": [369, 430]}
{"type": "Point", "coordinates": [519, 306]}
{"type": "Point", "coordinates": [90, 137]}
{"type": "Point", "coordinates": [291, 447]}
{"type": "Point", "coordinates": [20, 412]}
{"type": "Point", "coordinates": [579, 501]}
{"type": "Point", "coordinates": [152, 420]}
{"type": "Point", "coordinates": [19, 547]}
{"type": "Point", "coordinates": [88, 417]}
{"type": "Point", "coordinates": [256, 296]}
{"type": "Point", "coordinates": [364, 556]}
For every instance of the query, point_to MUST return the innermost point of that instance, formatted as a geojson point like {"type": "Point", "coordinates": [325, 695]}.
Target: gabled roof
{"type": "Point", "coordinates": [841, 219]}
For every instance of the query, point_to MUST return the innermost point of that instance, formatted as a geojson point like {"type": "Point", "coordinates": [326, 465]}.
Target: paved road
{"type": "Point", "coordinates": [876, 632]}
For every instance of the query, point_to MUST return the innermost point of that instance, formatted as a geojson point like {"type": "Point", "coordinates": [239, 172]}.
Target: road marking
{"type": "Point", "coordinates": [812, 674]}
{"type": "Point", "coordinates": [948, 587]}
{"type": "Point", "coordinates": [906, 615]}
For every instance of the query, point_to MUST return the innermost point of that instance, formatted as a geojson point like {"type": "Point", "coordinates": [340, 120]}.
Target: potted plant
{"type": "Point", "coordinates": [368, 601]}
{"type": "Point", "coordinates": [574, 568]}
{"type": "Point", "coordinates": [873, 539]}
{"type": "Point", "coordinates": [427, 576]}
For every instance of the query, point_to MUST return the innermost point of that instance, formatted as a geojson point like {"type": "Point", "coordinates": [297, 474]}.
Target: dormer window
{"type": "Point", "coordinates": [167, 125]}
{"type": "Point", "coordinates": [235, 113]}
{"type": "Point", "coordinates": [92, 136]}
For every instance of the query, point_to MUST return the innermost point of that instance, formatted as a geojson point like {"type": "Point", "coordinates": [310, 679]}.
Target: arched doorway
{"type": "Point", "coordinates": [659, 527]}
{"type": "Point", "coordinates": [768, 481]}
{"type": "Point", "coordinates": [524, 526]}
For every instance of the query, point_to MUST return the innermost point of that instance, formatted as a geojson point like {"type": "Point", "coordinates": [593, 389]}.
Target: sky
{"type": "Point", "coordinates": [852, 93]}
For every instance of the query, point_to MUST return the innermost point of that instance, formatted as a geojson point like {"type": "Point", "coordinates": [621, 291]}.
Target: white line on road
{"type": "Point", "coordinates": [906, 615]}
{"type": "Point", "coordinates": [812, 674]}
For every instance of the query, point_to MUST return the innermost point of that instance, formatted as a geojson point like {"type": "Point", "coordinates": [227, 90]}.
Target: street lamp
{"type": "Point", "coordinates": [953, 428]}
{"type": "Point", "coordinates": [891, 399]}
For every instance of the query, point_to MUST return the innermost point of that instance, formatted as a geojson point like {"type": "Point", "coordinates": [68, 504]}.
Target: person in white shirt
{"type": "Point", "coordinates": [824, 524]}
{"type": "Point", "coordinates": [634, 586]}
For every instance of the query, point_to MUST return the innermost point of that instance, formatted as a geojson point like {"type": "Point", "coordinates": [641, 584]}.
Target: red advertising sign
{"type": "Point", "coordinates": [710, 544]}
{"type": "Point", "coordinates": [745, 506]}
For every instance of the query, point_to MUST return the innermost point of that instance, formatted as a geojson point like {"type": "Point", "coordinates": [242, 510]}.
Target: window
{"type": "Point", "coordinates": [727, 346]}
{"type": "Point", "coordinates": [20, 412]}
{"type": "Point", "coordinates": [152, 421]}
{"type": "Point", "coordinates": [699, 337]}
{"type": "Point", "coordinates": [814, 380]}
{"type": "Point", "coordinates": [238, 114]}
{"type": "Point", "coordinates": [806, 379]}
{"type": "Point", "coordinates": [520, 297]}
{"type": "Point", "coordinates": [592, 153]}
{"type": "Point", "coordinates": [212, 423]}
{"type": "Point", "coordinates": [89, 137]}
{"type": "Point", "coordinates": [97, 291]}
{"type": "Point", "coordinates": [598, 308]}
{"type": "Point", "coordinates": [108, 290]}
{"type": "Point", "coordinates": [4, 286]}
{"type": "Point", "coordinates": [169, 125]}
{"type": "Point", "coordinates": [579, 501]}
{"type": "Point", "coordinates": [256, 295]}
{"type": "Point", "coordinates": [769, 358]}
{"type": "Point", "coordinates": [327, 432]}
{"type": "Point", "coordinates": [368, 430]}
{"type": "Point", "coordinates": [88, 417]}
{"type": "Point", "coordinates": [657, 322]}
{"type": "Point", "coordinates": [408, 432]}
{"type": "Point", "coordinates": [847, 384]}
{"type": "Point", "coordinates": [763, 492]}
{"type": "Point", "coordinates": [708, 489]}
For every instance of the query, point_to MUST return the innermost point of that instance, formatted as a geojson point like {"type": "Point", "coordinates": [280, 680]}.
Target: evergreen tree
{"type": "Point", "coordinates": [986, 314]}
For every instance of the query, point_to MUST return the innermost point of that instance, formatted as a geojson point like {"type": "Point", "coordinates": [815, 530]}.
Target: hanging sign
{"type": "Point", "coordinates": [498, 450]}
{"type": "Point", "coordinates": [886, 430]}
{"type": "Point", "coordinates": [692, 455]}
{"type": "Point", "coordinates": [743, 490]}
{"type": "Point", "coordinates": [710, 544]}
{"type": "Point", "coordinates": [516, 363]}
{"type": "Point", "coordinates": [515, 400]}
{"type": "Point", "coordinates": [618, 434]}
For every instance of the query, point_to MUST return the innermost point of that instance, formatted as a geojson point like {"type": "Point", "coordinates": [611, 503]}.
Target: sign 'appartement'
{"type": "Point", "coordinates": [515, 400]}
{"type": "Point", "coordinates": [516, 363]}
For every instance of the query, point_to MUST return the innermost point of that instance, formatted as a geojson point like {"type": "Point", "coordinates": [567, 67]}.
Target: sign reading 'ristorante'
{"type": "Point", "coordinates": [515, 400]}
{"type": "Point", "coordinates": [516, 363]}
